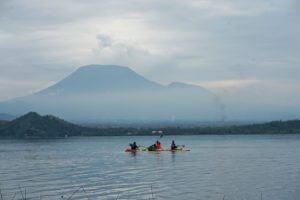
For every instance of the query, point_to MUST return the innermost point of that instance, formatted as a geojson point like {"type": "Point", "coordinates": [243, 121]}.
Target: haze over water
{"type": "Point", "coordinates": [239, 167]}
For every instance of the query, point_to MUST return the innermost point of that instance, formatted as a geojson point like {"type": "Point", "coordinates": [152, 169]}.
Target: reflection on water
{"type": "Point", "coordinates": [173, 156]}
{"type": "Point", "coordinates": [239, 167]}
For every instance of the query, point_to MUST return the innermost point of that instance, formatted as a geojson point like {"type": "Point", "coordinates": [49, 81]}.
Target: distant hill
{"type": "Point", "coordinates": [2, 122]}
{"type": "Point", "coordinates": [33, 125]}
{"type": "Point", "coordinates": [112, 93]}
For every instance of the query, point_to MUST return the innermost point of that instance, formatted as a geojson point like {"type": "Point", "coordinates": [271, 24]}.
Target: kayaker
{"type": "Point", "coordinates": [158, 145]}
{"type": "Point", "coordinates": [133, 146]}
{"type": "Point", "coordinates": [173, 145]}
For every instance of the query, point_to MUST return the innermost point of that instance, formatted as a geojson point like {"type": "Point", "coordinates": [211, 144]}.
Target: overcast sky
{"type": "Point", "coordinates": [224, 45]}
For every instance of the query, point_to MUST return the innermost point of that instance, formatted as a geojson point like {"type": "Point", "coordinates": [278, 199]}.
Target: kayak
{"type": "Point", "coordinates": [178, 150]}
{"type": "Point", "coordinates": [136, 150]}
{"type": "Point", "coordinates": [157, 150]}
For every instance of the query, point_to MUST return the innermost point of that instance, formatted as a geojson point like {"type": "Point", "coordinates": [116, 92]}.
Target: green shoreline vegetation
{"type": "Point", "coordinates": [34, 126]}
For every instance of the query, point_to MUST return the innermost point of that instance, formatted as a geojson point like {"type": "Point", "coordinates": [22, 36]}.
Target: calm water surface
{"type": "Point", "coordinates": [239, 167]}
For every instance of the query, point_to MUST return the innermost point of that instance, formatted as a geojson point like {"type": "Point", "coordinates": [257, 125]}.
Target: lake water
{"type": "Point", "coordinates": [237, 167]}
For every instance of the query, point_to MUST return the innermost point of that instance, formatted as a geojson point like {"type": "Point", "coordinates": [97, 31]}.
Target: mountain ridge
{"type": "Point", "coordinates": [101, 78]}
{"type": "Point", "coordinates": [110, 92]}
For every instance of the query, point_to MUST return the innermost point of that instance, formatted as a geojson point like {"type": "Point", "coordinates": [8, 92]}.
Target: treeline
{"type": "Point", "coordinates": [275, 127]}
{"type": "Point", "coordinates": [33, 125]}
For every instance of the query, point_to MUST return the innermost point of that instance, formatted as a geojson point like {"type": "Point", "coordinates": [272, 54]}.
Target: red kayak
{"type": "Point", "coordinates": [132, 150]}
{"type": "Point", "coordinates": [136, 150]}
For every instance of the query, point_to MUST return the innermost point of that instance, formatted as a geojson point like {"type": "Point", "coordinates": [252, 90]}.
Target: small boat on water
{"type": "Point", "coordinates": [157, 150]}
{"type": "Point", "coordinates": [156, 147]}
{"type": "Point", "coordinates": [178, 150]}
{"type": "Point", "coordinates": [136, 150]}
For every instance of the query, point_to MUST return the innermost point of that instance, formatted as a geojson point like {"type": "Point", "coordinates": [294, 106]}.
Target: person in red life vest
{"type": "Point", "coordinates": [158, 145]}
{"type": "Point", "coordinates": [155, 147]}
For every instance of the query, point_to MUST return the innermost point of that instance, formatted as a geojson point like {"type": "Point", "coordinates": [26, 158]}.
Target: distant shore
{"type": "Point", "coordinates": [34, 126]}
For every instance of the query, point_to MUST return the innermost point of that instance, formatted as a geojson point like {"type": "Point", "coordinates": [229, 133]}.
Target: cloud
{"type": "Point", "coordinates": [225, 43]}
{"type": "Point", "coordinates": [104, 41]}
{"type": "Point", "coordinates": [227, 84]}
{"type": "Point", "coordinates": [258, 92]}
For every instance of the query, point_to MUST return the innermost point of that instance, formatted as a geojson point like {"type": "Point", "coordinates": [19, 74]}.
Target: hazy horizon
{"type": "Point", "coordinates": [110, 93]}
